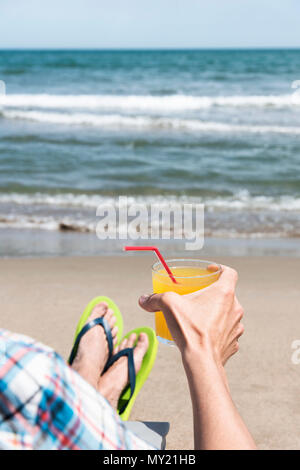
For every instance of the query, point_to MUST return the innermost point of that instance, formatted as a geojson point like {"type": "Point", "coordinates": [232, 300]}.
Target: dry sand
{"type": "Point", "coordinates": [44, 298]}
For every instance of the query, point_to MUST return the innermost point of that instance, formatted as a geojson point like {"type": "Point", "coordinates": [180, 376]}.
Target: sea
{"type": "Point", "coordinates": [79, 129]}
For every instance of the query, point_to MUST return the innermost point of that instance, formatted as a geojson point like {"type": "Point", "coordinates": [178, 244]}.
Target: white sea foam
{"type": "Point", "coordinates": [67, 224]}
{"type": "Point", "coordinates": [242, 201]}
{"type": "Point", "coordinates": [115, 121]}
{"type": "Point", "coordinates": [169, 103]}
{"type": "Point", "coordinates": [27, 222]}
{"type": "Point", "coordinates": [23, 221]}
{"type": "Point", "coordinates": [263, 216]}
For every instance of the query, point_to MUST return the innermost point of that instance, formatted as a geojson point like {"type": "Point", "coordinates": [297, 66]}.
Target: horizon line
{"type": "Point", "coordinates": [145, 49]}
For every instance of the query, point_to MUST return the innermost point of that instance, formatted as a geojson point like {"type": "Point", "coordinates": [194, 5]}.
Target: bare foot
{"type": "Point", "coordinates": [92, 353]}
{"type": "Point", "coordinates": [112, 383]}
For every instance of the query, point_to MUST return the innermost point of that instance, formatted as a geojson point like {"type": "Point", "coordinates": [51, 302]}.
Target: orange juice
{"type": "Point", "coordinates": [191, 275]}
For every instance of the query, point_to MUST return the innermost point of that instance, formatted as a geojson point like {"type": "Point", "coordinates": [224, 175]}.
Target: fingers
{"type": "Point", "coordinates": [238, 310]}
{"type": "Point", "coordinates": [150, 303]}
{"type": "Point", "coordinates": [157, 302]}
{"type": "Point", "coordinates": [228, 275]}
{"type": "Point", "coordinates": [233, 346]}
{"type": "Point", "coordinates": [236, 315]}
{"type": "Point", "coordinates": [238, 327]}
{"type": "Point", "coordinates": [228, 278]}
{"type": "Point", "coordinates": [225, 285]}
{"type": "Point", "coordinates": [213, 268]}
{"type": "Point", "coordinates": [240, 330]}
{"type": "Point", "coordinates": [233, 320]}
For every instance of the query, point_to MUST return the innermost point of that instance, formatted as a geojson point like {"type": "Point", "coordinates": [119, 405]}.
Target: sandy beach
{"type": "Point", "coordinates": [44, 298]}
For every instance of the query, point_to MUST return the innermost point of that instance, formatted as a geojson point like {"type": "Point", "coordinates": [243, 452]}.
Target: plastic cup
{"type": "Point", "coordinates": [191, 275]}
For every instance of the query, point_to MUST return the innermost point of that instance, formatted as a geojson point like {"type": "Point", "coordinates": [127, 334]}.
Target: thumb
{"type": "Point", "coordinates": [151, 303]}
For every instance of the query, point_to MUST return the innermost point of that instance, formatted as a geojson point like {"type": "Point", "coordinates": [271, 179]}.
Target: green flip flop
{"type": "Point", "coordinates": [136, 381]}
{"type": "Point", "coordinates": [83, 326]}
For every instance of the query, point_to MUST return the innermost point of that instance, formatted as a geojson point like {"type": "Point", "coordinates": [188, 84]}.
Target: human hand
{"type": "Point", "coordinates": [207, 320]}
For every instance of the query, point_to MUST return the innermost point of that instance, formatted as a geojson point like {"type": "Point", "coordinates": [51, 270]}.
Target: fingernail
{"type": "Point", "coordinates": [144, 298]}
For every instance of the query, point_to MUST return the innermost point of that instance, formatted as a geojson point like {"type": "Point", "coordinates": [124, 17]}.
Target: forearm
{"type": "Point", "coordinates": [217, 423]}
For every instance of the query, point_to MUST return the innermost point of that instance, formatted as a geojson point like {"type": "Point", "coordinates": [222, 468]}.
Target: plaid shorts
{"type": "Point", "coordinates": [45, 404]}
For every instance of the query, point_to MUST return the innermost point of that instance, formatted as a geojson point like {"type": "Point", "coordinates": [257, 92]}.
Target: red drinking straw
{"type": "Point", "coordinates": [158, 254]}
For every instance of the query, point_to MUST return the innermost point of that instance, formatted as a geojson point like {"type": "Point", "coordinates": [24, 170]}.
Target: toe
{"type": "Point", "coordinates": [143, 341]}
{"type": "Point", "coordinates": [99, 310]}
{"type": "Point", "coordinates": [140, 350]}
{"type": "Point", "coordinates": [111, 319]}
{"type": "Point", "coordinates": [123, 345]}
{"type": "Point", "coordinates": [114, 333]}
{"type": "Point", "coordinates": [109, 313]}
{"type": "Point", "coordinates": [131, 340]}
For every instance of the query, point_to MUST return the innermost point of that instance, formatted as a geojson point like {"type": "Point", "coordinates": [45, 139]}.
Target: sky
{"type": "Point", "coordinates": [109, 24]}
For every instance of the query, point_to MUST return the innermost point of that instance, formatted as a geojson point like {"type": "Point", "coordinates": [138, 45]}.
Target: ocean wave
{"type": "Point", "coordinates": [168, 103]}
{"type": "Point", "coordinates": [222, 228]}
{"type": "Point", "coordinates": [23, 221]}
{"type": "Point", "coordinates": [241, 201]}
{"type": "Point", "coordinates": [112, 121]}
